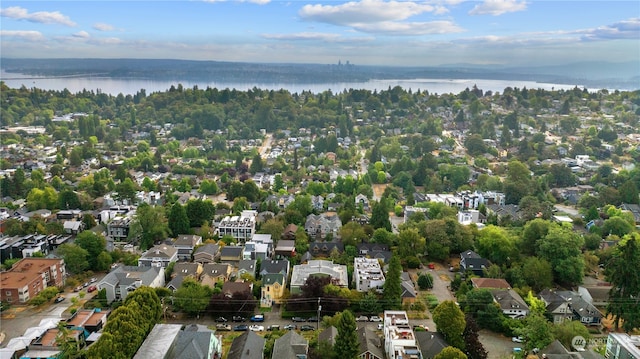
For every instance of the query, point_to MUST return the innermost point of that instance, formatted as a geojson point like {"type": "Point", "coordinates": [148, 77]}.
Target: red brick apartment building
{"type": "Point", "coordinates": [28, 277]}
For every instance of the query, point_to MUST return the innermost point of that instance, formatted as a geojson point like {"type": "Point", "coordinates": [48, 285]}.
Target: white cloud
{"type": "Point", "coordinates": [43, 17]}
{"type": "Point", "coordinates": [82, 35]}
{"type": "Point", "coordinates": [410, 28]}
{"type": "Point", "coordinates": [365, 11]}
{"type": "Point", "coordinates": [498, 7]}
{"type": "Point", "coordinates": [25, 35]}
{"type": "Point", "coordinates": [316, 36]}
{"type": "Point", "coordinates": [625, 29]}
{"type": "Point", "coordinates": [103, 27]}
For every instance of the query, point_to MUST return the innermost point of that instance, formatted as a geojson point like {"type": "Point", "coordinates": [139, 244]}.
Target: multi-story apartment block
{"type": "Point", "coordinates": [240, 227]}
{"type": "Point", "coordinates": [622, 346]}
{"type": "Point", "coordinates": [399, 339]}
{"type": "Point", "coordinates": [367, 274]}
{"type": "Point", "coordinates": [30, 276]}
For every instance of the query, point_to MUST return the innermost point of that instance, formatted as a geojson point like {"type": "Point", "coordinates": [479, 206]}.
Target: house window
{"type": "Point", "coordinates": [8, 293]}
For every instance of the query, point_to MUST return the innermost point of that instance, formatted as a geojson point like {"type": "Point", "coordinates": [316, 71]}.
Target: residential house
{"type": "Point", "coordinates": [213, 273]}
{"type": "Point", "coordinates": [430, 343]}
{"type": "Point", "coordinates": [622, 346]}
{"type": "Point", "coordinates": [471, 261]}
{"type": "Point", "coordinates": [557, 307]}
{"type": "Point", "coordinates": [248, 345]}
{"type": "Point", "coordinates": [275, 266]}
{"type": "Point", "coordinates": [231, 255]}
{"type": "Point", "coordinates": [73, 227]}
{"type": "Point", "coordinates": [125, 279]}
{"type": "Point", "coordinates": [362, 200]}
{"type": "Point", "coordinates": [325, 249]}
{"type": "Point", "coordinates": [290, 232]}
{"type": "Point", "coordinates": [231, 288]}
{"type": "Point", "coordinates": [29, 276]}
{"type": "Point", "coordinates": [196, 342]}
{"type": "Point", "coordinates": [471, 216]}
{"type": "Point", "coordinates": [374, 251]}
{"type": "Point", "coordinates": [158, 256]}
{"type": "Point", "coordinates": [272, 291]}
{"type": "Point", "coordinates": [159, 342]}
{"type": "Point", "coordinates": [582, 310]}
{"type": "Point", "coordinates": [598, 295]}
{"type": "Point", "coordinates": [411, 210]}
{"type": "Point", "coordinates": [505, 212]}
{"type": "Point", "coordinates": [511, 303]}
{"type": "Point", "coordinates": [260, 247]}
{"type": "Point", "coordinates": [323, 225]}
{"type": "Point", "coordinates": [185, 245]}
{"type": "Point", "coordinates": [90, 320]}
{"type": "Point", "coordinates": [301, 272]}
{"type": "Point", "coordinates": [490, 283]}
{"type": "Point", "coordinates": [367, 274]}
{"type": "Point", "coordinates": [208, 253]}
{"type": "Point", "coordinates": [290, 346]}
{"type": "Point", "coordinates": [247, 266]}
{"type": "Point", "coordinates": [118, 229]}
{"type": "Point", "coordinates": [369, 344]}
{"type": "Point", "coordinates": [409, 292]}
{"type": "Point", "coordinates": [328, 336]}
{"type": "Point", "coordinates": [286, 248]}
{"type": "Point", "coordinates": [175, 283]}
{"type": "Point", "coordinates": [634, 209]}
{"type": "Point", "coordinates": [46, 345]}
{"type": "Point", "coordinates": [317, 202]}
{"type": "Point", "coordinates": [187, 270]}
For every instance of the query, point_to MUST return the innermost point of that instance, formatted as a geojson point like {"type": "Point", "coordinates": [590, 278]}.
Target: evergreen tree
{"type": "Point", "coordinates": [380, 216]}
{"type": "Point", "coordinates": [178, 220]}
{"type": "Point", "coordinates": [624, 297]}
{"type": "Point", "coordinates": [347, 345]}
{"type": "Point", "coordinates": [392, 290]}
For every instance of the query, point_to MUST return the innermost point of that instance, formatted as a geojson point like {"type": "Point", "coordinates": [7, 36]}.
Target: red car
{"type": "Point", "coordinates": [91, 288]}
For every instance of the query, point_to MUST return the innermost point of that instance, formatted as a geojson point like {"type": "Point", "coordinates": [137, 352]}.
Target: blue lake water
{"type": "Point", "coordinates": [115, 86]}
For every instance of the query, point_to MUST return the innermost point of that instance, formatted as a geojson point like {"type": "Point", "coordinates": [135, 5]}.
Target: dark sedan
{"type": "Point", "coordinates": [306, 328]}
{"type": "Point", "coordinates": [221, 320]}
{"type": "Point", "coordinates": [241, 328]}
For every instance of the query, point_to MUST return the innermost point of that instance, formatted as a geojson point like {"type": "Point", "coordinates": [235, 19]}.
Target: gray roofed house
{"type": "Point", "coordinates": [430, 343]}
{"type": "Point", "coordinates": [159, 342]}
{"type": "Point", "coordinates": [324, 249]}
{"type": "Point", "coordinates": [247, 266]}
{"type": "Point", "coordinates": [248, 345]}
{"type": "Point", "coordinates": [158, 256]}
{"type": "Point", "coordinates": [185, 243]}
{"type": "Point", "coordinates": [187, 269]}
{"type": "Point", "coordinates": [511, 303]}
{"type": "Point", "coordinates": [556, 306]}
{"type": "Point", "coordinates": [124, 279]}
{"type": "Point", "coordinates": [213, 273]}
{"type": "Point", "coordinates": [290, 346]}
{"type": "Point", "coordinates": [275, 266]}
{"type": "Point", "coordinates": [328, 335]}
{"type": "Point", "coordinates": [196, 342]}
{"type": "Point", "coordinates": [470, 260]}
{"type": "Point", "coordinates": [598, 295]}
{"type": "Point", "coordinates": [409, 293]}
{"type": "Point", "coordinates": [370, 345]}
{"type": "Point", "coordinates": [582, 310]}
{"type": "Point", "coordinates": [321, 225]}
{"type": "Point", "coordinates": [634, 209]}
{"type": "Point", "coordinates": [175, 283]}
{"type": "Point", "coordinates": [207, 253]}
{"type": "Point", "coordinates": [231, 254]}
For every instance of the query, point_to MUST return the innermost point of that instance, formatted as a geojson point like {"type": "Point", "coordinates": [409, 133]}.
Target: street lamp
{"type": "Point", "coordinates": [319, 309]}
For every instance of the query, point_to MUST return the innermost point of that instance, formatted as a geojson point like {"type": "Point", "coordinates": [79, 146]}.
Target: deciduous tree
{"type": "Point", "coordinates": [450, 321]}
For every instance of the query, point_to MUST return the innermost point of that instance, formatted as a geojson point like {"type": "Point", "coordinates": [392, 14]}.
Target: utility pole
{"type": "Point", "coordinates": [319, 309]}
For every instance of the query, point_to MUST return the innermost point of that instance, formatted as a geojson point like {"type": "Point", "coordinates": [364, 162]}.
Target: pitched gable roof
{"type": "Point", "coordinates": [369, 343]}
{"type": "Point", "coordinates": [289, 346]}
{"type": "Point", "coordinates": [248, 345]}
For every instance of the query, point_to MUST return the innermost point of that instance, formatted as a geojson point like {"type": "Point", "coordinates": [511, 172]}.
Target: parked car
{"type": "Point", "coordinates": [241, 328]}
{"type": "Point", "coordinates": [223, 327]}
{"type": "Point", "coordinates": [290, 327]}
{"type": "Point", "coordinates": [59, 299]}
{"type": "Point", "coordinates": [307, 327]}
{"type": "Point", "coordinates": [380, 326]}
{"type": "Point", "coordinates": [257, 318]}
{"type": "Point", "coordinates": [312, 319]}
{"type": "Point", "coordinates": [237, 318]}
{"type": "Point", "coordinates": [362, 318]}
{"type": "Point", "coordinates": [517, 339]}
{"type": "Point", "coordinates": [86, 284]}
{"type": "Point", "coordinates": [77, 289]}
{"type": "Point", "coordinates": [93, 280]}
{"type": "Point", "coordinates": [273, 327]}
{"type": "Point", "coordinates": [221, 320]}
{"type": "Point", "coordinates": [91, 288]}
{"type": "Point", "coordinates": [256, 328]}
{"type": "Point", "coordinates": [298, 319]}
{"type": "Point", "coordinates": [375, 318]}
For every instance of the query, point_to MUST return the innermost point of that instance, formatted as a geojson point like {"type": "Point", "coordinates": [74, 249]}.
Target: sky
{"type": "Point", "coordinates": [363, 32]}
